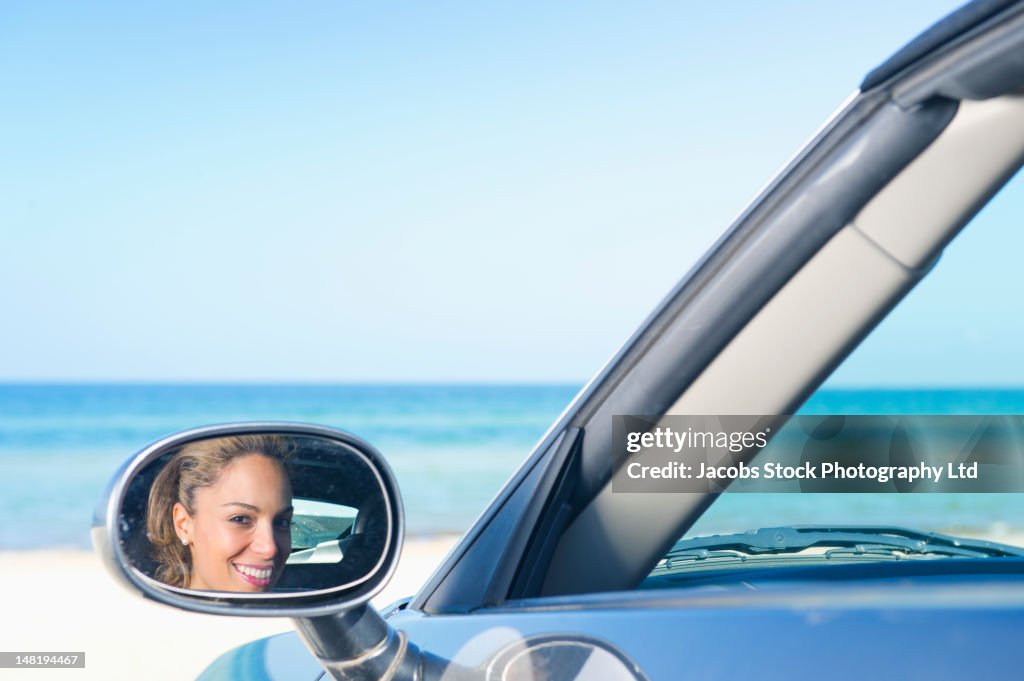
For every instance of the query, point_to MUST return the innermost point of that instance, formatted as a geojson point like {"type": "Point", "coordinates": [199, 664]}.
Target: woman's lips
{"type": "Point", "coordinates": [257, 576]}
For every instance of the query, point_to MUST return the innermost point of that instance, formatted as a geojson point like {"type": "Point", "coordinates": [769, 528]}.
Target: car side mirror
{"type": "Point", "coordinates": [269, 519]}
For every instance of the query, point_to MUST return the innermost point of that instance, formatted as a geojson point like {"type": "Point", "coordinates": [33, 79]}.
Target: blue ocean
{"type": "Point", "coordinates": [451, 446]}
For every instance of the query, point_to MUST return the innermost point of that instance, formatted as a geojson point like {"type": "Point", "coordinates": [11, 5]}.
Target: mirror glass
{"type": "Point", "coordinates": [257, 513]}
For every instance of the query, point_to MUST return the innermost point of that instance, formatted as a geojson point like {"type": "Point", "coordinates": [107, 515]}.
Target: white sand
{"type": "Point", "coordinates": [65, 601]}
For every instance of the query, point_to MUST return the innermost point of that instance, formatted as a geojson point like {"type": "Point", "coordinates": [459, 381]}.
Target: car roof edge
{"type": "Point", "coordinates": [935, 36]}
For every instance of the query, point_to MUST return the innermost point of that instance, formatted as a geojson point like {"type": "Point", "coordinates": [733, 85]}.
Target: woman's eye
{"type": "Point", "coordinates": [239, 519]}
{"type": "Point", "coordinates": [283, 523]}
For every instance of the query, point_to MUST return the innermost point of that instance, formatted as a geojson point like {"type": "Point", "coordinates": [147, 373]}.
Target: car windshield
{"type": "Point", "coordinates": [936, 497]}
{"type": "Point", "coordinates": [804, 527]}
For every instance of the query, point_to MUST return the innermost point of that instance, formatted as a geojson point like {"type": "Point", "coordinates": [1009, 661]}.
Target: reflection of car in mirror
{"type": "Point", "coordinates": [562, 577]}
{"type": "Point", "coordinates": [320, 531]}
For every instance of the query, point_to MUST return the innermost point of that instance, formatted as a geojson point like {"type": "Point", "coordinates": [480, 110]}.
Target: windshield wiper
{"type": "Point", "coordinates": [842, 540]}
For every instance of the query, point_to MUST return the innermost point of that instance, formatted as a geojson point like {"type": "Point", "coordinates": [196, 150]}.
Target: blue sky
{"type": "Point", "coordinates": [420, 191]}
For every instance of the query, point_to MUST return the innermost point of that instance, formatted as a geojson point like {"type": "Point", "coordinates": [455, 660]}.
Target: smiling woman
{"type": "Point", "coordinates": [254, 513]}
{"type": "Point", "coordinates": [219, 515]}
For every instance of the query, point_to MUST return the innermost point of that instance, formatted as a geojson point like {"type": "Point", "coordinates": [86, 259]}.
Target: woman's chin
{"type": "Point", "coordinates": [248, 587]}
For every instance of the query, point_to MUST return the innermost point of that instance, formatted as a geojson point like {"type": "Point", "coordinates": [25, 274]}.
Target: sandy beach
{"type": "Point", "coordinates": [63, 600]}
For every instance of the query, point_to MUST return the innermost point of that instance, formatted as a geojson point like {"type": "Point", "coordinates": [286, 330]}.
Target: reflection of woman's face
{"type": "Point", "coordinates": [240, 533]}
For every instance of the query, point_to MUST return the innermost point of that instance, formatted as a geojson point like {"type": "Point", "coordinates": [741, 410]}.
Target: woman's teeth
{"type": "Point", "coordinates": [255, 573]}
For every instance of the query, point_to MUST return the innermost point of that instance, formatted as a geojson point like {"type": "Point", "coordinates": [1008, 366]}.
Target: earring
{"type": "Point", "coordinates": [184, 542]}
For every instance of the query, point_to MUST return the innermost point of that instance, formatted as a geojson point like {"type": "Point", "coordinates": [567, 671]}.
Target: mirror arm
{"type": "Point", "coordinates": [359, 645]}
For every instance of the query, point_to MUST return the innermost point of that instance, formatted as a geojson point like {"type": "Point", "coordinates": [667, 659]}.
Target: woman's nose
{"type": "Point", "coordinates": [263, 543]}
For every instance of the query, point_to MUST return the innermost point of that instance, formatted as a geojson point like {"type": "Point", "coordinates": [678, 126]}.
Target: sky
{"type": "Point", "coordinates": [422, 192]}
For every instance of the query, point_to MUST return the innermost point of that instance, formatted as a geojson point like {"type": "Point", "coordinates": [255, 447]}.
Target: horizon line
{"type": "Point", "coordinates": [436, 383]}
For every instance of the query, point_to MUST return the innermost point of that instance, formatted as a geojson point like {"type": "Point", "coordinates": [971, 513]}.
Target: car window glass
{"type": "Point", "coordinates": [950, 347]}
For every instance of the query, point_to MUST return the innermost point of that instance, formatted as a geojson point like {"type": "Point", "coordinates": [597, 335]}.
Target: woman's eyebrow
{"type": "Point", "coordinates": [286, 509]}
{"type": "Point", "coordinates": [243, 505]}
